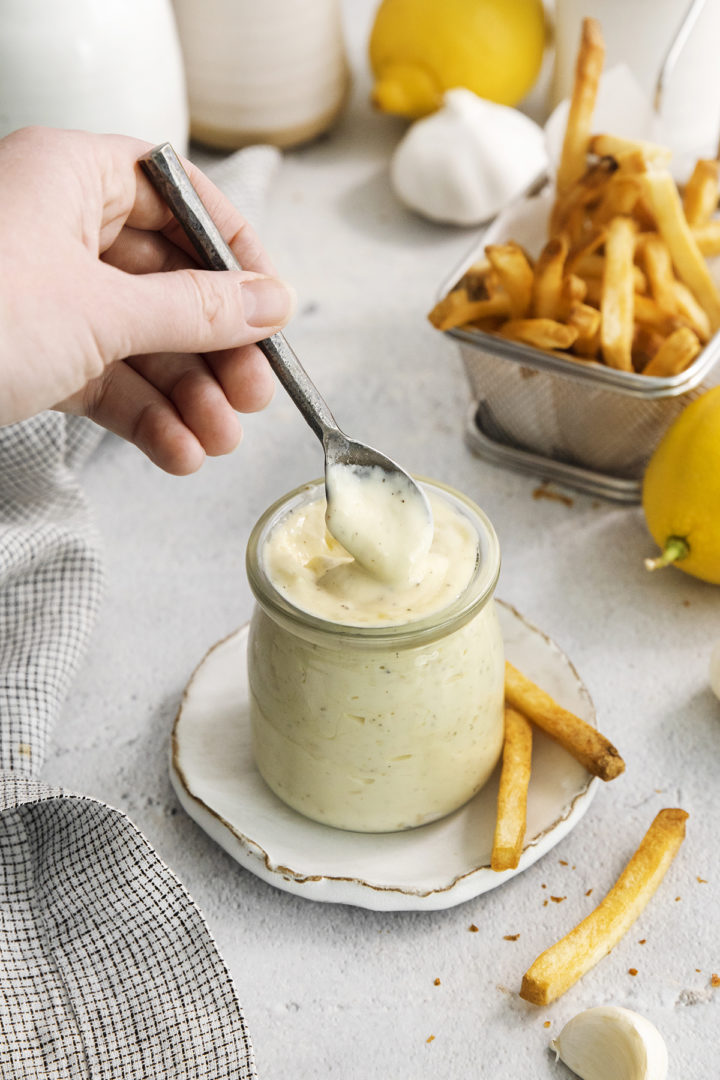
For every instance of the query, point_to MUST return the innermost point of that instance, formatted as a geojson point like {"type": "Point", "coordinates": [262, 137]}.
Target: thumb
{"type": "Point", "coordinates": [192, 311]}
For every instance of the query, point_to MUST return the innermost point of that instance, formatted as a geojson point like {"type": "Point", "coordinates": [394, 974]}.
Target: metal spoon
{"type": "Point", "coordinates": [344, 458]}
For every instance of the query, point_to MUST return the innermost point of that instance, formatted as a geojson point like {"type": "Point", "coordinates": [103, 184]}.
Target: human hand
{"type": "Point", "coordinates": [105, 312]}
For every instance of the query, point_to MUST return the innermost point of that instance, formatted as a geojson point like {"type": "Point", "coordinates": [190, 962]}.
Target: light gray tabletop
{"type": "Point", "coordinates": [337, 991]}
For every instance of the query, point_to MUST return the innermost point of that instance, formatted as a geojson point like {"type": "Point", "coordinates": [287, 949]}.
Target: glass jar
{"type": "Point", "coordinates": [376, 728]}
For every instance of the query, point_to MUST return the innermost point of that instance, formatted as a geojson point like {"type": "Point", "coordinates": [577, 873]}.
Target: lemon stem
{"type": "Point", "coordinates": [676, 548]}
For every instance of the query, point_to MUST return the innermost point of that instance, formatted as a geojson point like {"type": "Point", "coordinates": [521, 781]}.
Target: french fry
{"type": "Point", "coordinates": [700, 197]}
{"type": "Point", "coordinates": [542, 333]}
{"type": "Point", "coordinates": [588, 69]}
{"type": "Point", "coordinates": [587, 348]}
{"type": "Point", "coordinates": [570, 209]}
{"type": "Point", "coordinates": [649, 313]}
{"type": "Point", "coordinates": [515, 272]}
{"type": "Point", "coordinates": [498, 304]}
{"type": "Point", "coordinates": [579, 738]}
{"type": "Point", "coordinates": [573, 291]}
{"type": "Point", "coordinates": [685, 253]}
{"type": "Point", "coordinates": [589, 246]}
{"type": "Point", "coordinates": [616, 147]}
{"type": "Point", "coordinates": [646, 343]}
{"type": "Point", "coordinates": [489, 325]}
{"type": "Point", "coordinates": [593, 291]}
{"type": "Point", "coordinates": [548, 279]}
{"type": "Point", "coordinates": [586, 321]}
{"type": "Point", "coordinates": [675, 354]}
{"type": "Point", "coordinates": [492, 283]}
{"type": "Point", "coordinates": [619, 198]}
{"type": "Point", "coordinates": [593, 266]}
{"type": "Point", "coordinates": [659, 269]}
{"type": "Point", "coordinates": [512, 792]}
{"type": "Point", "coordinates": [631, 163]}
{"type": "Point", "coordinates": [456, 309]}
{"type": "Point", "coordinates": [475, 280]}
{"type": "Point", "coordinates": [449, 311]}
{"type": "Point", "coordinates": [616, 305]}
{"type": "Point", "coordinates": [560, 966]}
{"type": "Point", "coordinates": [689, 310]}
{"type": "Point", "coordinates": [707, 237]}
{"type": "Point", "coordinates": [575, 225]}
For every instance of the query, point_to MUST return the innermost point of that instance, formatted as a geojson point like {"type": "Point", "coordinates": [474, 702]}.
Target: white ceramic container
{"type": "Point", "coordinates": [273, 72]}
{"type": "Point", "coordinates": [99, 65]}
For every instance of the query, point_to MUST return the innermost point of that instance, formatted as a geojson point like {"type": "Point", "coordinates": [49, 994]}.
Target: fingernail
{"type": "Point", "coordinates": [267, 302]}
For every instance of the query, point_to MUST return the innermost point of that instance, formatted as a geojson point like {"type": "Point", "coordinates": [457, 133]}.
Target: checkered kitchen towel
{"type": "Point", "coordinates": [107, 969]}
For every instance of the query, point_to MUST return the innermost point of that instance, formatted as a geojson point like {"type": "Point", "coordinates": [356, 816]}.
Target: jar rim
{"type": "Point", "coordinates": [474, 596]}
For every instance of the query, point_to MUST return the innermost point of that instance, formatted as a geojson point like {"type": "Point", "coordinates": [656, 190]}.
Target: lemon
{"type": "Point", "coordinates": [421, 48]}
{"type": "Point", "coordinates": [681, 491]}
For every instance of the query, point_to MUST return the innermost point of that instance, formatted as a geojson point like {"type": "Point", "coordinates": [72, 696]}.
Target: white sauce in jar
{"type": "Point", "coordinates": [372, 730]}
{"type": "Point", "coordinates": [312, 570]}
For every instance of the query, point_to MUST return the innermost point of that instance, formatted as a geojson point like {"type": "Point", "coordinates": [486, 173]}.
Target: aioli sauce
{"type": "Point", "coordinates": [374, 736]}
{"type": "Point", "coordinates": [317, 574]}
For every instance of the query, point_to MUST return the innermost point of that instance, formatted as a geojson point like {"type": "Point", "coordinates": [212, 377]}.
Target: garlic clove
{"type": "Point", "coordinates": [468, 160]}
{"type": "Point", "coordinates": [715, 669]}
{"type": "Point", "coordinates": [612, 1043]}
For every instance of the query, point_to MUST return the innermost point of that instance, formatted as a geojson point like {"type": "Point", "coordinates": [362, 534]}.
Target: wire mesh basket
{"type": "Point", "coordinates": [582, 424]}
{"type": "Point", "coordinates": [579, 422]}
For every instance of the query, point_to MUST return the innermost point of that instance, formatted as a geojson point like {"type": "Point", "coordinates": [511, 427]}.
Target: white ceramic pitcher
{"type": "Point", "coordinates": [100, 65]}
{"type": "Point", "coordinates": [262, 70]}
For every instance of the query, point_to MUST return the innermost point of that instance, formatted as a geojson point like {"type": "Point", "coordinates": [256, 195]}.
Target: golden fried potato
{"type": "Point", "coordinates": [560, 966]}
{"type": "Point", "coordinates": [512, 792]}
{"type": "Point", "coordinates": [579, 738]}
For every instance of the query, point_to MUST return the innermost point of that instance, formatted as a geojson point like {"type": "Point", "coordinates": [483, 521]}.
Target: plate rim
{"type": "Point", "coordinates": [281, 876]}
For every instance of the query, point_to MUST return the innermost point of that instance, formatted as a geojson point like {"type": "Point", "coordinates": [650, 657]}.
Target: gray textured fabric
{"type": "Point", "coordinates": [107, 969]}
{"type": "Point", "coordinates": [50, 578]}
{"type": "Point", "coordinates": [244, 177]}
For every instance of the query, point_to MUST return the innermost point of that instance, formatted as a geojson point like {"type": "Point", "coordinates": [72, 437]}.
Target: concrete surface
{"type": "Point", "coordinates": [332, 991]}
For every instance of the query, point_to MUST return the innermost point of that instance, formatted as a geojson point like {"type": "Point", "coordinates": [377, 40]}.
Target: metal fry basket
{"type": "Point", "coordinates": [577, 422]}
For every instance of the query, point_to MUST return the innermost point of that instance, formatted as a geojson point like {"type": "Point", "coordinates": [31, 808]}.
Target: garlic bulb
{"type": "Point", "coordinates": [468, 160]}
{"type": "Point", "coordinates": [715, 669]}
{"type": "Point", "coordinates": [611, 1043]}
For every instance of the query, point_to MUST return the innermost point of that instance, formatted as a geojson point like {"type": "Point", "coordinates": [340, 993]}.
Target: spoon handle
{"type": "Point", "coordinates": [164, 170]}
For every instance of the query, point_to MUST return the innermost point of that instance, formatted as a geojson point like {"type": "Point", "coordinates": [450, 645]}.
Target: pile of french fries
{"type": "Point", "coordinates": [623, 278]}
{"type": "Point", "coordinates": [561, 965]}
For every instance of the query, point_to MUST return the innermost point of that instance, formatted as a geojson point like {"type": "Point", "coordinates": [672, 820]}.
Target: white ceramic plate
{"type": "Point", "coordinates": [435, 866]}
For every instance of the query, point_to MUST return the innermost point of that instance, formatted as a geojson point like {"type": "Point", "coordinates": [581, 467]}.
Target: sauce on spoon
{"type": "Point", "coordinates": [379, 520]}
